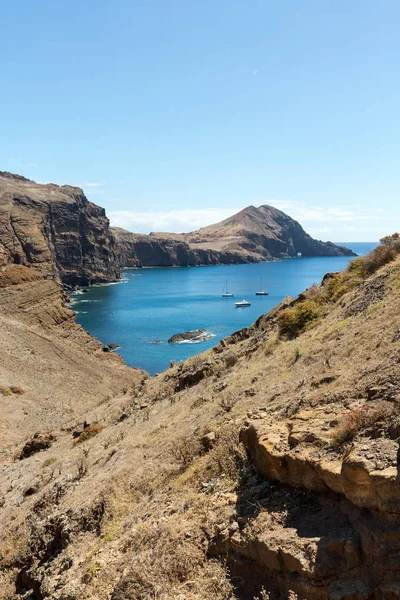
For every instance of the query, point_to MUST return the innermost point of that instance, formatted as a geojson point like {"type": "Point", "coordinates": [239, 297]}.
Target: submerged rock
{"type": "Point", "coordinates": [198, 335]}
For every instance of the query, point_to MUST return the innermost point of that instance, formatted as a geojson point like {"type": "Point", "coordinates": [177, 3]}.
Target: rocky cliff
{"type": "Point", "coordinates": [55, 229]}
{"type": "Point", "coordinates": [168, 250]}
{"type": "Point", "coordinates": [266, 468]}
{"type": "Point", "coordinates": [252, 235]}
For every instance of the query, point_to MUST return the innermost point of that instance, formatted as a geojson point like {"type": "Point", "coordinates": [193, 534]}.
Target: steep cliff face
{"type": "Point", "coordinates": [252, 235]}
{"type": "Point", "coordinates": [137, 250]}
{"type": "Point", "coordinates": [57, 230]}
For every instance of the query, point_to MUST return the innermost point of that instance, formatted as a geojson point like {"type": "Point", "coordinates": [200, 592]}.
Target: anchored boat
{"type": "Point", "coordinates": [241, 304]}
{"type": "Point", "coordinates": [225, 293]}
{"type": "Point", "coordinates": [262, 292]}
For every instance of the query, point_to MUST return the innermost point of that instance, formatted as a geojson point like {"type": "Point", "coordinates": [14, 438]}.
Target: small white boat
{"type": "Point", "coordinates": [262, 292]}
{"type": "Point", "coordinates": [225, 293]}
{"type": "Point", "coordinates": [242, 304]}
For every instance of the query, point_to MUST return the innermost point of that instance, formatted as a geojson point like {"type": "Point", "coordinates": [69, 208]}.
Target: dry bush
{"type": "Point", "coordinates": [17, 390]}
{"type": "Point", "coordinates": [185, 450]}
{"type": "Point", "coordinates": [5, 391]}
{"type": "Point", "coordinates": [293, 321]}
{"type": "Point", "coordinates": [227, 402]}
{"type": "Point", "coordinates": [358, 419]}
{"type": "Point", "coordinates": [228, 455]}
{"type": "Point", "coordinates": [166, 564]}
{"type": "Point", "coordinates": [380, 256]}
{"type": "Point", "coordinates": [231, 360]}
{"type": "Point", "coordinates": [89, 432]}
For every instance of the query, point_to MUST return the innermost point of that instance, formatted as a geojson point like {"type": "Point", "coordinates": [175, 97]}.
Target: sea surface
{"type": "Point", "coordinates": [154, 303]}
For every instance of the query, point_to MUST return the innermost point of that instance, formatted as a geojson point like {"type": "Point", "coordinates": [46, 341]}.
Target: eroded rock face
{"type": "Point", "coordinates": [56, 230]}
{"type": "Point", "coordinates": [137, 250]}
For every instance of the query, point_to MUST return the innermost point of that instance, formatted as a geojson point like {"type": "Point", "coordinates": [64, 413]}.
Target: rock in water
{"type": "Point", "coordinates": [198, 335]}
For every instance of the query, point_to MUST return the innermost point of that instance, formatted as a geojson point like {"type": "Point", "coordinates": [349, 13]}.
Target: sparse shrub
{"type": "Point", "coordinates": [228, 455]}
{"type": "Point", "coordinates": [5, 391]}
{"type": "Point", "coordinates": [185, 450]}
{"type": "Point", "coordinates": [82, 464]}
{"type": "Point", "coordinates": [231, 360]}
{"type": "Point", "coordinates": [380, 256]}
{"type": "Point", "coordinates": [263, 595]}
{"type": "Point", "coordinates": [227, 403]}
{"type": "Point", "coordinates": [89, 432]}
{"type": "Point", "coordinates": [297, 354]}
{"type": "Point", "coordinates": [358, 419]}
{"type": "Point", "coordinates": [293, 321]}
{"type": "Point", "coordinates": [17, 390]}
{"type": "Point", "coordinates": [340, 284]}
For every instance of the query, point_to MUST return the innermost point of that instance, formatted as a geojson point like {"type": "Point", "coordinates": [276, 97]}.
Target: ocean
{"type": "Point", "coordinates": [152, 304]}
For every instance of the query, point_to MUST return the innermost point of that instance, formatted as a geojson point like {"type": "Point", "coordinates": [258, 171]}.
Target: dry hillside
{"type": "Point", "coordinates": [265, 468]}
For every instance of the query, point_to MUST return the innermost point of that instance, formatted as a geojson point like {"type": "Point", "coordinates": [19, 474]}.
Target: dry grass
{"type": "Point", "coordinates": [89, 432]}
{"type": "Point", "coordinates": [359, 419]}
{"type": "Point", "coordinates": [166, 563]}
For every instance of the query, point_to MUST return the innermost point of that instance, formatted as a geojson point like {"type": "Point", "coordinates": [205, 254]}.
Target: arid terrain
{"type": "Point", "coordinates": [264, 468]}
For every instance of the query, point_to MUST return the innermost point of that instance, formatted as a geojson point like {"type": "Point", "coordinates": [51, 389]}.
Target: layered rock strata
{"type": "Point", "coordinates": [56, 230]}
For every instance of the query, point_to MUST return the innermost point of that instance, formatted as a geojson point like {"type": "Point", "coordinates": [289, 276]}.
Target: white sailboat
{"type": "Point", "coordinates": [262, 292]}
{"type": "Point", "coordinates": [225, 293]}
{"type": "Point", "coordinates": [242, 304]}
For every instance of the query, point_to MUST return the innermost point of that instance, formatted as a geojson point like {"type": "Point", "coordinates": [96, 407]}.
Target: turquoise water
{"type": "Point", "coordinates": [153, 304]}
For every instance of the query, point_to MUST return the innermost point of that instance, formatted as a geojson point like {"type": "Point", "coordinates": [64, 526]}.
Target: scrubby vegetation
{"type": "Point", "coordinates": [294, 320]}
{"type": "Point", "coordinates": [359, 419]}
{"type": "Point", "coordinates": [89, 432]}
{"type": "Point", "coordinates": [379, 257]}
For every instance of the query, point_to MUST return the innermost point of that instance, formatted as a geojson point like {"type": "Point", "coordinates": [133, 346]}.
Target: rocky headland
{"type": "Point", "coordinates": [252, 235]}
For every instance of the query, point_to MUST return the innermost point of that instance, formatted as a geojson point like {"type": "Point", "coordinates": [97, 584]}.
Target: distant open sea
{"type": "Point", "coordinates": [154, 303]}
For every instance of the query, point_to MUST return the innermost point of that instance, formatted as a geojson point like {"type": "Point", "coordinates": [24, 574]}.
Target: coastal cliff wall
{"type": "Point", "coordinates": [56, 230]}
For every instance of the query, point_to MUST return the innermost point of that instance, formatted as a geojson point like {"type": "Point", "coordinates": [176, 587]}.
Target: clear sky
{"type": "Point", "coordinates": [173, 114]}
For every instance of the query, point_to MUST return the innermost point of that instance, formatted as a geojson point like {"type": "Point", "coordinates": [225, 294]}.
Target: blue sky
{"type": "Point", "coordinates": [173, 114]}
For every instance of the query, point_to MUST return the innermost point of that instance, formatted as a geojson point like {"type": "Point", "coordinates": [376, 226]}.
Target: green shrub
{"type": "Point", "coordinates": [293, 321]}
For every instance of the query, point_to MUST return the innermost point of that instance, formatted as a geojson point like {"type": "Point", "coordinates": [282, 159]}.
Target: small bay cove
{"type": "Point", "coordinates": [150, 305]}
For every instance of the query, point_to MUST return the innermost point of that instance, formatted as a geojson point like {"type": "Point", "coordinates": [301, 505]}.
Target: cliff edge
{"type": "Point", "coordinates": [56, 230]}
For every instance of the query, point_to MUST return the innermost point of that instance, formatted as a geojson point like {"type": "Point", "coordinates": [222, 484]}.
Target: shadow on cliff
{"type": "Point", "coordinates": [291, 539]}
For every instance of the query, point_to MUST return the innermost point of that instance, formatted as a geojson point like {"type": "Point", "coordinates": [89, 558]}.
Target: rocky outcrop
{"type": "Point", "coordinates": [198, 335]}
{"type": "Point", "coordinates": [252, 235]}
{"type": "Point", "coordinates": [56, 230]}
{"type": "Point", "coordinates": [138, 250]}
